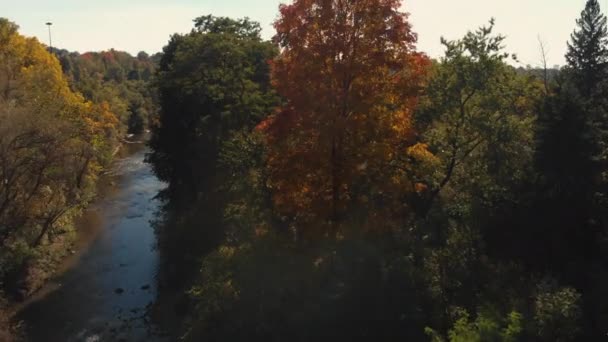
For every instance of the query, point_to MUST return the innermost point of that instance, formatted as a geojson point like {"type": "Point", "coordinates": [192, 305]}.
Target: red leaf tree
{"type": "Point", "coordinates": [350, 75]}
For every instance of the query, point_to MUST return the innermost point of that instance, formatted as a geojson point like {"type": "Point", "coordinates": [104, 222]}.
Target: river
{"type": "Point", "coordinates": [102, 292]}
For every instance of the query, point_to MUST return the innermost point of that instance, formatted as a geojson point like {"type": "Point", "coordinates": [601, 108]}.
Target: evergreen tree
{"type": "Point", "coordinates": [587, 57]}
{"type": "Point", "coordinates": [587, 52]}
{"type": "Point", "coordinates": [569, 214]}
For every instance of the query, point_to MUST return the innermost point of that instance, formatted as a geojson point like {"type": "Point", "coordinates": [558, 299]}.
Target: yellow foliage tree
{"type": "Point", "coordinates": [52, 141]}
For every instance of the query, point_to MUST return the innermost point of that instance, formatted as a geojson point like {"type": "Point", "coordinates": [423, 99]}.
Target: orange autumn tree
{"type": "Point", "coordinates": [349, 75]}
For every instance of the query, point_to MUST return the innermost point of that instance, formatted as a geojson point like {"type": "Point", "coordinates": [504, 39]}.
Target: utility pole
{"type": "Point", "coordinates": [49, 24]}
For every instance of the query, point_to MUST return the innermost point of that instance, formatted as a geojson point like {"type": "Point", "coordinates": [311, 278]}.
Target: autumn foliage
{"type": "Point", "coordinates": [350, 76]}
{"type": "Point", "coordinates": [53, 145]}
{"type": "Point", "coordinates": [387, 197]}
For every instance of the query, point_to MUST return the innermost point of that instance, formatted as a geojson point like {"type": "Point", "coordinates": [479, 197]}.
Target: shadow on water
{"type": "Point", "coordinates": [102, 293]}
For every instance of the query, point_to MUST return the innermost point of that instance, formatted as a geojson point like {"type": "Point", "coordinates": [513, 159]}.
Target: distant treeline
{"type": "Point", "coordinates": [117, 78]}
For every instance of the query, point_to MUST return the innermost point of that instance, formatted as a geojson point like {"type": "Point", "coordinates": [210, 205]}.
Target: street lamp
{"type": "Point", "coordinates": [49, 24]}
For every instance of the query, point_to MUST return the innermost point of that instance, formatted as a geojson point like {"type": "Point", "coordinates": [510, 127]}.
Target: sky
{"type": "Point", "coordinates": [146, 25]}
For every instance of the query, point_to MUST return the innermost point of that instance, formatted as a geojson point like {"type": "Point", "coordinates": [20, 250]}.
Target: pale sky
{"type": "Point", "coordinates": [136, 25]}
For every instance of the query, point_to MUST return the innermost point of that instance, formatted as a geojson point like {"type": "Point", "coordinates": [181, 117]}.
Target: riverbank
{"type": "Point", "coordinates": [59, 250]}
{"type": "Point", "coordinates": [104, 287]}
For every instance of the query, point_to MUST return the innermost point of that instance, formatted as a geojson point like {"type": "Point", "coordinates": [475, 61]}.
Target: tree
{"type": "Point", "coordinates": [53, 144]}
{"type": "Point", "coordinates": [486, 327]}
{"type": "Point", "coordinates": [571, 158]}
{"type": "Point", "coordinates": [349, 75]}
{"type": "Point", "coordinates": [476, 116]}
{"type": "Point", "coordinates": [212, 82]}
{"type": "Point", "coordinates": [569, 214]}
{"type": "Point", "coordinates": [566, 183]}
{"type": "Point", "coordinates": [587, 52]}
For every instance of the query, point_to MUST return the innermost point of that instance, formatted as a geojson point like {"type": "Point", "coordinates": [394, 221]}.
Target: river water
{"type": "Point", "coordinates": [103, 291]}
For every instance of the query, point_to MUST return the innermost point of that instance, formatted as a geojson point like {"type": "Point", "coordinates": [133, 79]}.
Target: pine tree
{"type": "Point", "coordinates": [572, 133]}
{"type": "Point", "coordinates": [587, 53]}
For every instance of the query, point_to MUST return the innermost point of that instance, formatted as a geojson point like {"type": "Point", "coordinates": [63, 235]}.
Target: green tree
{"type": "Point", "coordinates": [568, 176]}
{"type": "Point", "coordinates": [587, 52]}
{"type": "Point", "coordinates": [485, 328]}
{"type": "Point", "coordinates": [569, 213]}
{"type": "Point", "coordinates": [213, 87]}
{"type": "Point", "coordinates": [557, 312]}
{"type": "Point", "coordinates": [476, 116]}
{"type": "Point", "coordinates": [212, 82]}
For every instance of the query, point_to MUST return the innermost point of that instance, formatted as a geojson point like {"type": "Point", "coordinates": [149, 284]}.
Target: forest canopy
{"type": "Point", "coordinates": [347, 186]}
{"type": "Point", "coordinates": [333, 182]}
